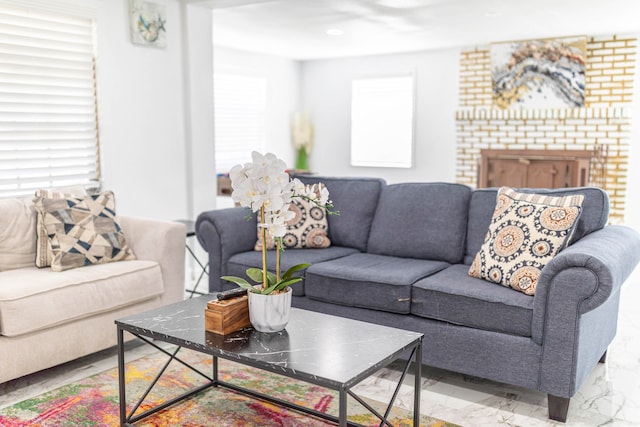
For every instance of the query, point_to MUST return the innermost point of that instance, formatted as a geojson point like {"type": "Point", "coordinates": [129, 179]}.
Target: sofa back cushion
{"type": "Point", "coordinates": [356, 200]}
{"type": "Point", "coordinates": [595, 212]}
{"type": "Point", "coordinates": [17, 233]}
{"type": "Point", "coordinates": [421, 220]}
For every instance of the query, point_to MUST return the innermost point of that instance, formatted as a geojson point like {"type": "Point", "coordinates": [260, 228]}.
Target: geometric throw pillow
{"type": "Point", "coordinates": [83, 230]}
{"type": "Point", "coordinates": [526, 232]}
{"type": "Point", "coordinates": [43, 246]}
{"type": "Point", "coordinates": [307, 229]}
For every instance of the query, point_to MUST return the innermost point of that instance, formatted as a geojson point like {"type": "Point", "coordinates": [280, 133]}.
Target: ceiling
{"type": "Point", "coordinates": [297, 28]}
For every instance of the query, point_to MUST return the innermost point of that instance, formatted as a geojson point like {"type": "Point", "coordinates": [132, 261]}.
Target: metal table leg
{"type": "Point", "coordinates": [191, 232]}
{"type": "Point", "coordinates": [417, 385]}
{"type": "Point", "coordinates": [121, 381]}
{"type": "Point", "coordinates": [342, 409]}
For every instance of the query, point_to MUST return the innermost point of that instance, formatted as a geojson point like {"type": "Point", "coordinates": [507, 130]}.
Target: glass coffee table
{"type": "Point", "coordinates": [329, 351]}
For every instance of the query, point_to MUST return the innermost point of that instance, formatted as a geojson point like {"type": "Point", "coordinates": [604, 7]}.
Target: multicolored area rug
{"type": "Point", "coordinates": [94, 401]}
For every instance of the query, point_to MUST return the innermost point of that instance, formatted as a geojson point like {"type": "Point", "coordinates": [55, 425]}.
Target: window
{"type": "Point", "coordinates": [239, 117]}
{"type": "Point", "coordinates": [48, 124]}
{"type": "Point", "coordinates": [382, 122]}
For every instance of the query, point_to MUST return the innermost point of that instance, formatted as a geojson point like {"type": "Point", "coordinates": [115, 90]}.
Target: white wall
{"type": "Point", "coordinates": [326, 93]}
{"type": "Point", "coordinates": [200, 153]}
{"type": "Point", "coordinates": [283, 93]}
{"type": "Point", "coordinates": [156, 139]}
{"type": "Point", "coordinates": [142, 100]}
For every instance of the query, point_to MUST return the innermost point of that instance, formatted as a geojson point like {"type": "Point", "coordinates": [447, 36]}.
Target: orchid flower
{"type": "Point", "coordinates": [264, 186]}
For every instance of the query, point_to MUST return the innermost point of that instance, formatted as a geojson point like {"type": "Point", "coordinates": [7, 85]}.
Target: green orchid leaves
{"type": "Point", "coordinates": [273, 285]}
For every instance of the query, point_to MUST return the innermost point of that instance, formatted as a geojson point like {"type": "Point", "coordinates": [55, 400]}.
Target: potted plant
{"type": "Point", "coordinates": [302, 136]}
{"type": "Point", "coordinates": [265, 187]}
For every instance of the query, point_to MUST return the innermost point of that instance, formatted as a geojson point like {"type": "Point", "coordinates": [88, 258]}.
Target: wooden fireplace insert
{"type": "Point", "coordinates": [534, 168]}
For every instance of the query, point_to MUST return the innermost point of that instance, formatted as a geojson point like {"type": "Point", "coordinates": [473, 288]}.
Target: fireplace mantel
{"type": "Point", "coordinates": [543, 113]}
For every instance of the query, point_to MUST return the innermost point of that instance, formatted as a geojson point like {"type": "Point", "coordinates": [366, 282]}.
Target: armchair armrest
{"type": "Point", "coordinates": [162, 242]}
{"type": "Point", "coordinates": [224, 233]}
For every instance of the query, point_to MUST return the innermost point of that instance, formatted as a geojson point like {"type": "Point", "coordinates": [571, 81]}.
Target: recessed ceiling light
{"type": "Point", "coordinates": [334, 32]}
{"type": "Point", "coordinates": [492, 14]}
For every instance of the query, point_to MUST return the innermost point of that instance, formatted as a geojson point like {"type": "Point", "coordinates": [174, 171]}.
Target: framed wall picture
{"type": "Point", "coordinates": [545, 73]}
{"type": "Point", "coordinates": [148, 23]}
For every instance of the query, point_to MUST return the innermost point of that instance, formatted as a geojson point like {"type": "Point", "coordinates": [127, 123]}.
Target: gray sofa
{"type": "Point", "coordinates": [400, 255]}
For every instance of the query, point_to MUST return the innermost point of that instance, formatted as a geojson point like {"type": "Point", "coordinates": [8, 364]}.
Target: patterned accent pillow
{"type": "Point", "coordinates": [44, 253]}
{"type": "Point", "coordinates": [83, 230]}
{"type": "Point", "coordinates": [308, 228]}
{"type": "Point", "coordinates": [526, 232]}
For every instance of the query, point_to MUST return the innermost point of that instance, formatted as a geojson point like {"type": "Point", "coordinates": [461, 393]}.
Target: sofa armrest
{"type": "Point", "coordinates": [224, 233]}
{"type": "Point", "coordinates": [575, 312]}
{"type": "Point", "coordinates": [599, 263]}
{"type": "Point", "coordinates": [162, 242]}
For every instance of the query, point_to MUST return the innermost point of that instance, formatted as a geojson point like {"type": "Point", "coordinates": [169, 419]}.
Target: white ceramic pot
{"type": "Point", "coordinates": [269, 313]}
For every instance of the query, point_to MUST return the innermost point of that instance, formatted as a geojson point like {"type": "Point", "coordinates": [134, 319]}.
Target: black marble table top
{"type": "Point", "coordinates": [322, 349]}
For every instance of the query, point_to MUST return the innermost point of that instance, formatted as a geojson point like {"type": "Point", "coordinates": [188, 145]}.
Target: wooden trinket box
{"type": "Point", "coordinates": [226, 316]}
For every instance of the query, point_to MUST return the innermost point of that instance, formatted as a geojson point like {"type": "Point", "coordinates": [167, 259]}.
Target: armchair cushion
{"type": "Point", "coordinates": [17, 233]}
{"type": "Point", "coordinates": [47, 299]}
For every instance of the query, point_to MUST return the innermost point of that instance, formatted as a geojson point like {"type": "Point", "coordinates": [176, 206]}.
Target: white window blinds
{"type": "Point", "coordinates": [239, 117]}
{"type": "Point", "coordinates": [48, 124]}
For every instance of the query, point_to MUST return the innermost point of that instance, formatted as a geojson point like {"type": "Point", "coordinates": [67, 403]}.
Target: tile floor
{"type": "Point", "coordinates": [610, 396]}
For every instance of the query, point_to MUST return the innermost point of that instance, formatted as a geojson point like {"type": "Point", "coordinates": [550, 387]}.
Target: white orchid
{"type": "Point", "coordinates": [324, 196]}
{"type": "Point", "coordinates": [264, 185]}
{"type": "Point", "coordinates": [316, 193]}
{"type": "Point", "coordinates": [276, 223]}
{"type": "Point", "coordinates": [260, 184]}
{"type": "Point", "coordinates": [298, 186]}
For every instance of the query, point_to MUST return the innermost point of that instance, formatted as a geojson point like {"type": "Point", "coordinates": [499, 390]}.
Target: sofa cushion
{"type": "Point", "coordinates": [32, 299]}
{"type": "Point", "coordinates": [17, 233]}
{"type": "Point", "coordinates": [356, 200]}
{"type": "Point", "coordinates": [377, 282]}
{"type": "Point", "coordinates": [422, 220]}
{"type": "Point", "coordinates": [452, 296]}
{"type": "Point", "coordinates": [526, 232]}
{"type": "Point", "coordinates": [239, 263]}
{"type": "Point", "coordinates": [595, 212]}
{"type": "Point", "coordinates": [83, 230]}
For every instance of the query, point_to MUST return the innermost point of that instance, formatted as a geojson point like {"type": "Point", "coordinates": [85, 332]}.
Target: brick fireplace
{"type": "Point", "coordinates": [601, 127]}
